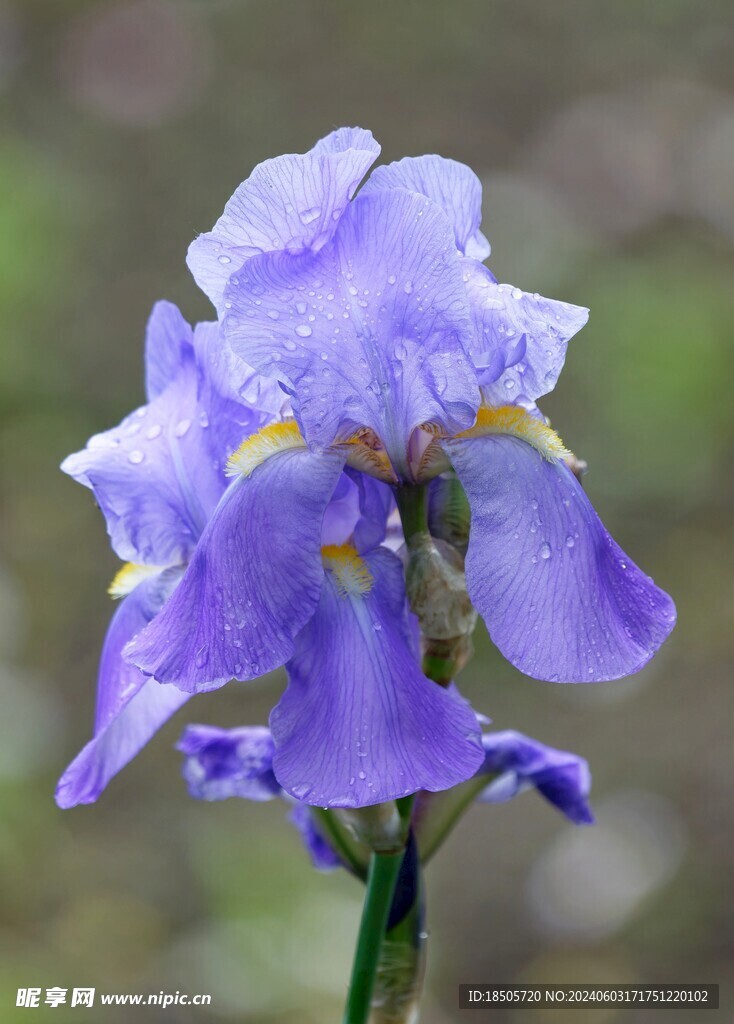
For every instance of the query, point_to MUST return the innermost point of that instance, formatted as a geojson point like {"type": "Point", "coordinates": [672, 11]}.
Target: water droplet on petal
{"type": "Point", "coordinates": [153, 432]}
{"type": "Point", "coordinates": [224, 259]}
{"type": "Point", "coordinates": [136, 457]}
{"type": "Point", "coordinates": [303, 331]}
{"type": "Point", "coordinates": [309, 216]}
{"type": "Point", "coordinates": [182, 427]}
{"type": "Point", "coordinates": [408, 287]}
{"type": "Point", "coordinates": [545, 550]}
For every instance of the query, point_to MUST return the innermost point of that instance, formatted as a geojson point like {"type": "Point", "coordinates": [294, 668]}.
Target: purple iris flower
{"type": "Point", "coordinates": [157, 478]}
{"type": "Point", "coordinates": [223, 763]}
{"type": "Point", "coordinates": [161, 480]}
{"type": "Point", "coordinates": [403, 358]}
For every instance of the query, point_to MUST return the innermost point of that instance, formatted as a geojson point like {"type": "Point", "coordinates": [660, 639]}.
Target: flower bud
{"type": "Point", "coordinates": [436, 588]}
{"type": "Point", "coordinates": [448, 512]}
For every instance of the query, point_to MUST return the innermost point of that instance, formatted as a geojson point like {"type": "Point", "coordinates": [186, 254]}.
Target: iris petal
{"type": "Point", "coordinates": [561, 600]}
{"type": "Point", "coordinates": [520, 762]}
{"type": "Point", "coordinates": [371, 332]}
{"type": "Point", "coordinates": [130, 707]}
{"type": "Point", "coordinates": [154, 475]}
{"type": "Point", "coordinates": [452, 185]}
{"type": "Point", "coordinates": [253, 580]}
{"type": "Point", "coordinates": [291, 203]}
{"type": "Point", "coordinates": [168, 340]}
{"type": "Point", "coordinates": [520, 340]}
{"type": "Point", "coordinates": [359, 723]}
{"type": "Point", "coordinates": [223, 763]}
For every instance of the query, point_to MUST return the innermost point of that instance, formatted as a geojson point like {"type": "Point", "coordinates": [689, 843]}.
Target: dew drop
{"type": "Point", "coordinates": [408, 287]}
{"type": "Point", "coordinates": [153, 433]}
{"type": "Point", "coordinates": [182, 427]}
{"type": "Point", "coordinates": [570, 542]}
{"type": "Point", "coordinates": [545, 550]}
{"type": "Point", "coordinates": [224, 259]}
{"type": "Point", "coordinates": [303, 331]}
{"type": "Point", "coordinates": [309, 216]}
{"type": "Point", "coordinates": [136, 457]}
{"type": "Point", "coordinates": [273, 314]}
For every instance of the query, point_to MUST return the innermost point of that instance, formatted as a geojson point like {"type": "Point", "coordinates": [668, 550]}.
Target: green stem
{"type": "Point", "coordinates": [413, 508]}
{"type": "Point", "coordinates": [443, 810]}
{"type": "Point", "coordinates": [403, 954]}
{"type": "Point", "coordinates": [383, 873]}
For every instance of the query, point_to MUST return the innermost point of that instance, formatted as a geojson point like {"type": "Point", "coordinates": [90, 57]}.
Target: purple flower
{"type": "Point", "coordinates": [403, 358]}
{"type": "Point", "coordinates": [362, 345]}
{"type": "Point", "coordinates": [223, 763]}
{"type": "Point", "coordinates": [521, 763]}
{"type": "Point", "coordinates": [340, 619]}
{"type": "Point", "coordinates": [157, 478]}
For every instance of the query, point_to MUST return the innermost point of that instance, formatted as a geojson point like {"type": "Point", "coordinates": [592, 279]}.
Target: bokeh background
{"type": "Point", "coordinates": [604, 136]}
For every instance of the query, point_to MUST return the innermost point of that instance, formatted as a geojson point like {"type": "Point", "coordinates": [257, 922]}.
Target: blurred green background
{"type": "Point", "coordinates": [604, 136]}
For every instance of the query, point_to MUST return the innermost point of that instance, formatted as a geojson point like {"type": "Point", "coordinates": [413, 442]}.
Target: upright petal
{"type": "Point", "coordinates": [291, 203]}
{"type": "Point", "coordinates": [253, 581]}
{"type": "Point", "coordinates": [370, 332]}
{"type": "Point", "coordinates": [154, 476]}
{"type": "Point", "coordinates": [359, 723]}
{"type": "Point", "coordinates": [222, 763]}
{"type": "Point", "coordinates": [521, 762]}
{"type": "Point", "coordinates": [520, 340]}
{"type": "Point", "coordinates": [234, 400]}
{"type": "Point", "coordinates": [452, 185]}
{"type": "Point", "coordinates": [130, 707]}
{"type": "Point", "coordinates": [358, 512]}
{"type": "Point", "coordinates": [561, 600]}
{"type": "Point", "coordinates": [168, 340]}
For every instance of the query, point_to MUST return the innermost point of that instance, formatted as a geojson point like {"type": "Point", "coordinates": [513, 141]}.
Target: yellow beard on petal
{"type": "Point", "coordinates": [350, 572]}
{"type": "Point", "coordinates": [254, 450]}
{"type": "Point", "coordinates": [129, 576]}
{"type": "Point", "coordinates": [514, 421]}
